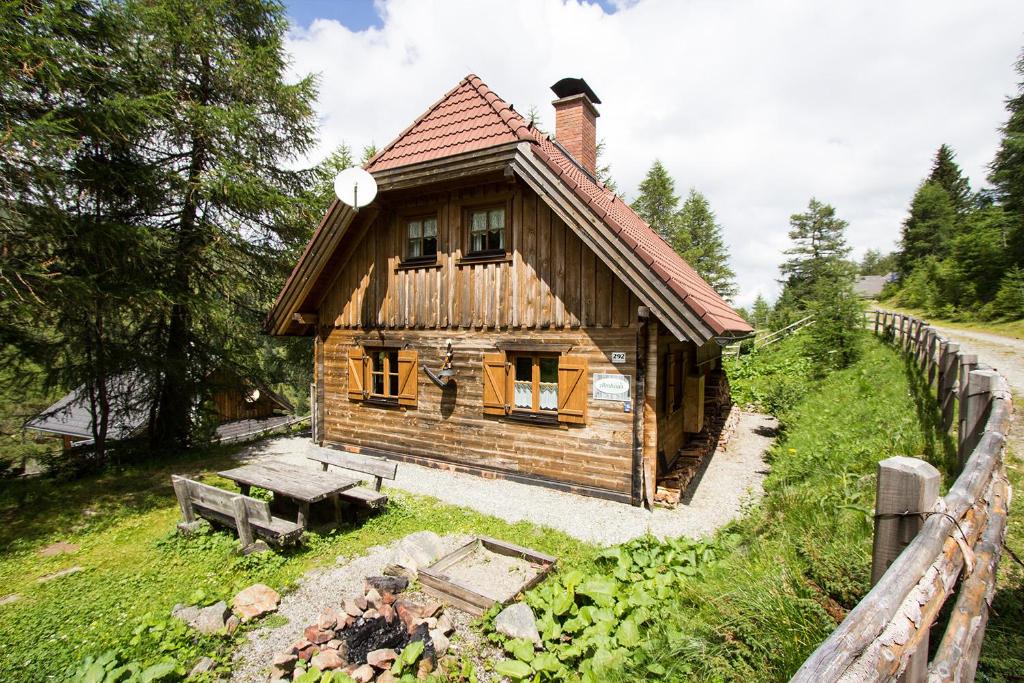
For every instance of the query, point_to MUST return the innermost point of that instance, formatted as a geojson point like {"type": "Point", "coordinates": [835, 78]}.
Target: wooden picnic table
{"type": "Point", "coordinates": [303, 485]}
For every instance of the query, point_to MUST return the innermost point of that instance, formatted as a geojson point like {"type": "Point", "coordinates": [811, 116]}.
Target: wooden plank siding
{"type": "Point", "coordinates": [548, 280]}
{"type": "Point", "coordinates": [450, 426]}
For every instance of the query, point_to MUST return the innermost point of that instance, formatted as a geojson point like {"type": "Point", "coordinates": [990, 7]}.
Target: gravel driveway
{"type": "Point", "coordinates": [731, 479]}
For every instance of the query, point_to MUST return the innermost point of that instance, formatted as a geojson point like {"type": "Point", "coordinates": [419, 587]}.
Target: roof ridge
{"type": "Point", "coordinates": [430, 110]}
{"type": "Point", "coordinates": [506, 112]}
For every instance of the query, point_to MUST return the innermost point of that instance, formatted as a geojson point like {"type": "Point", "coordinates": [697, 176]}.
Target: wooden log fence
{"type": "Point", "coordinates": [922, 550]}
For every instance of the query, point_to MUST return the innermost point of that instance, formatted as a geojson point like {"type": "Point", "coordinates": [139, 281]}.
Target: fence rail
{"type": "Point", "coordinates": [765, 339]}
{"type": "Point", "coordinates": [960, 538]}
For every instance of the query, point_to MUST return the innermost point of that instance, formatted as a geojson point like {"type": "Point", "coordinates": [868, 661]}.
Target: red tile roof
{"type": "Point", "coordinates": [471, 116]}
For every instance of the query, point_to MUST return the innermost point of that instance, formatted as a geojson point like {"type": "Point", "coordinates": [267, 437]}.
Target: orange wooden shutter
{"type": "Point", "coordinates": [407, 382]}
{"type": "Point", "coordinates": [356, 374]}
{"type": "Point", "coordinates": [495, 384]}
{"type": "Point", "coordinates": [572, 389]}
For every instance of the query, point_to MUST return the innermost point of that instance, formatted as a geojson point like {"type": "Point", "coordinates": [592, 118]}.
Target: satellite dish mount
{"type": "Point", "coordinates": [355, 187]}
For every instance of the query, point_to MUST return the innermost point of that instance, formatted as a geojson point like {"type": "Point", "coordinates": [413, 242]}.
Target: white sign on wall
{"type": "Point", "coordinates": [609, 387]}
{"type": "Point", "coordinates": [618, 357]}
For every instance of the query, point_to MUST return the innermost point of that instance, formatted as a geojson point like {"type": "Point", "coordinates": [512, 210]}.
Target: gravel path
{"type": "Point", "coordinates": [731, 479]}
{"type": "Point", "coordinates": [1005, 354]}
{"type": "Point", "coordinates": [323, 588]}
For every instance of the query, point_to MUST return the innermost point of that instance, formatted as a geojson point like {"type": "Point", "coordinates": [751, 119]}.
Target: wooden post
{"type": "Point", "coordinates": [636, 492]}
{"type": "Point", "coordinates": [245, 536]}
{"type": "Point", "coordinates": [933, 349]}
{"type": "Point", "coordinates": [905, 485]}
{"type": "Point", "coordinates": [878, 315]}
{"type": "Point", "coordinates": [922, 334]}
{"type": "Point", "coordinates": [975, 408]}
{"type": "Point", "coordinates": [947, 388]}
{"type": "Point", "coordinates": [651, 414]}
{"type": "Point", "coordinates": [312, 412]}
{"type": "Point", "coordinates": [968, 362]}
{"type": "Point", "coordinates": [908, 344]}
{"type": "Point", "coordinates": [180, 485]}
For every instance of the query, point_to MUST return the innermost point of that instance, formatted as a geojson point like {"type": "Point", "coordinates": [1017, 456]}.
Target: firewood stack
{"type": "Point", "coordinates": [719, 425]}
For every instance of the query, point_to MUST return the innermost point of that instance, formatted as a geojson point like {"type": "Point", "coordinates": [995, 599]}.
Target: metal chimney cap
{"type": "Point", "coordinates": [567, 87]}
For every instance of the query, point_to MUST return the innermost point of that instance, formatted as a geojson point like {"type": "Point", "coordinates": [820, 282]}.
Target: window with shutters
{"type": "Point", "coordinates": [383, 375]}
{"type": "Point", "coordinates": [536, 387]}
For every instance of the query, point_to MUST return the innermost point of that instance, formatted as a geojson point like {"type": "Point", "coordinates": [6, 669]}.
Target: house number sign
{"type": "Point", "coordinates": [611, 387]}
{"type": "Point", "coordinates": [618, 357]}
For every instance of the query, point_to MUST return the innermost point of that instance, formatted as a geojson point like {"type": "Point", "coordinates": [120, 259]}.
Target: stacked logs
{"type": "Point", "coordinates": [365, 634]}
{"type": "Point", "coordinates": [720, 421]}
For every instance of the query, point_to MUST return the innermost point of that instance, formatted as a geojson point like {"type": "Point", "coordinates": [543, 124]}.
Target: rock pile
{"type": "Point", "coordinates": [364, 635]}
{"type": "Point", "coordinates": [255, 601]}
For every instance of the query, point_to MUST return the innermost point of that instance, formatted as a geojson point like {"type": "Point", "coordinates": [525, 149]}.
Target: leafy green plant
{"type": "Point", "coordinates": [108, 668]}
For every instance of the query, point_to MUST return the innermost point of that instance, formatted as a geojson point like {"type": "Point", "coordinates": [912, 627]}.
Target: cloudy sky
{"type": "Point", "coordinates": [758, 105]}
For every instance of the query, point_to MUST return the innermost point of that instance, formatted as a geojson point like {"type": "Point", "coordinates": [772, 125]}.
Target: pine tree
{"type": "Point", "coordinates": [657, 202]}
{"type": "Point", "coordinates": [760, 312]}
{"type": "Point", "coordinates": [928, 229]}
{"type": "Point", "coordinates": [697, 237]}
{"type": "Point", "coordinates": [946, 174]}
{"type": "Point", "coordinates": [1007, 169]}
{"type": "Point", "coordinates": [818, 253]}
{"type": "Point", "coordinates": [369, 152]}
{"type": "Point", "coordinates": [877, 263]}
{"type": "Point", "coordinates": [224, 145]}
{"type": "Point", "coordinates": [604, 171]}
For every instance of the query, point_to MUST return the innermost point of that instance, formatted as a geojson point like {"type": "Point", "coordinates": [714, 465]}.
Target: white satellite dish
{"type": "Point", "coordinates": [252, 396]}
{"type": "Point", "coordinates": [355, 187]}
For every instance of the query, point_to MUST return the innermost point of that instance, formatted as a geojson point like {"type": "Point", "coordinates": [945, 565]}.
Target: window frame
{"type": "Point", "coordinates": [534, 411]}
{"type": "Point", "coordinates": [387, 373]}
{"type": "Point", "coordinates": [503, 203]}
{"type": "Point", "coordinates": [408, 218]}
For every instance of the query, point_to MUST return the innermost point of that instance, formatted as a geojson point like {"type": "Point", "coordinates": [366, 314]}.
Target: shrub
{"type": "Point", "coordinates": [838, 328]}
{"type": "Point", "coordinates": [1009, 301]}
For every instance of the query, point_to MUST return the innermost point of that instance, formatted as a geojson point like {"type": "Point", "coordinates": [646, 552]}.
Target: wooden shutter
{"type": "Point", "coordinates": [693, 404]}
{"type": "Point", "coordinates": [356, 374]}
{"type": "Point", "coordinates": [573, 392]}
{"type": "Point", "coordinates": [495, 384]}
{"type": "Point", "coordinates": [407, 380]}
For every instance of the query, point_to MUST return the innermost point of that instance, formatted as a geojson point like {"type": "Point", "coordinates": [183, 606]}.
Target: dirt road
{"type": "Point", "coordinates": [1005, 354]}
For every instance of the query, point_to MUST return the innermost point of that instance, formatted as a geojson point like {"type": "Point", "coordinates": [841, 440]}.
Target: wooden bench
{"type": "Point", "coordinates": [378, 468]}
{"type": "Point", "coordinates": [249, 516]}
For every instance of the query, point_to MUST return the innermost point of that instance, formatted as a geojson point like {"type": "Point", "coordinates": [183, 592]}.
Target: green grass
{"type": "Point", "coordinates": [1005, 328]}
{"type": "Point", "coordinates": [805, 554]}
{"type": "Point", "coordinates": [135, 565]}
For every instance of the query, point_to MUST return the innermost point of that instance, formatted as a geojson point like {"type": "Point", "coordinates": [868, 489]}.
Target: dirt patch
{"type": "Point", "coordinates": [491, 574]}
{"type": "Point", "coordinates": [58, 548]}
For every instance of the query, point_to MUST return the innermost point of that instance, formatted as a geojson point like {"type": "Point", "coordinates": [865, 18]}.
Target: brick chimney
{"type": "Point", "coordinates": [576, 120]}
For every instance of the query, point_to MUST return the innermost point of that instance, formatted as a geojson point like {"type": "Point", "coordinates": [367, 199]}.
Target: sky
{"type": "Point", "coordinates": [760, 106]}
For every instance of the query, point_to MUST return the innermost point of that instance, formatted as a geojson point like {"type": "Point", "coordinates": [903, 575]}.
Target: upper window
{"type": "Point", "coordinates": [421, 234]}
{"type": "Point", "coordinates": [535, 384]}
{"type": "Point", "coordinates": [487, 230]}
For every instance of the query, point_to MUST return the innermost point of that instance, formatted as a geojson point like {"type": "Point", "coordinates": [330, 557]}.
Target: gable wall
{"type": "Point", "coordinates": [549, 280]}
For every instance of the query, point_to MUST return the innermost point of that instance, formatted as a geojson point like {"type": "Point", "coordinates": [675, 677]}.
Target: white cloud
{"type": "Point", "coordinates": [758, 105]}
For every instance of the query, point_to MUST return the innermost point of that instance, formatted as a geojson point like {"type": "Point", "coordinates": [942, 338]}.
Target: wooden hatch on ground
{"type": "Point", "coordinates": [483, 572]}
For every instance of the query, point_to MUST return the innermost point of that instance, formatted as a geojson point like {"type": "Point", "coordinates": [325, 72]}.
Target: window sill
{"type": "Point", "coordinates": [547, 419]}
{"type": "Point", "coordinates": [381, 401]}
{"type": "Point", "coordinates": [415, 264]}
{"type": "Point", "coordinates": [477, 259]}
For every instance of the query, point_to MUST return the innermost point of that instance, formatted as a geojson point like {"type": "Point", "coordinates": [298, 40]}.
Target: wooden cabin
{"type": "Point", "coordinates": [575, 341]}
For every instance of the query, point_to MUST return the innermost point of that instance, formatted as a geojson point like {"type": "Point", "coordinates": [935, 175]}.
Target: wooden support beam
{"type": "Point", "coordinates": [947, 385]}
{"type": "Point", "coordinates": [245, 535]}
{"type": "Point", "coordinates": [304, 318]}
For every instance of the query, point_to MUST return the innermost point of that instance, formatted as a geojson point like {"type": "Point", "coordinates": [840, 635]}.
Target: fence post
{"type": "Point", "coordinates": [905, 485]}
{"type": "Point", "coordinates": [312, 412]}
{"type": "Point", "coordinates": [947, 386]}
{"type": "Point", "coordinates": [934, 350]}
{"type": "Point", "coordinates": [915, 324]}
{"type": "Point", "coordinates": [922, 334]}
{"type": "Point", "coordinates": [877, 316]}
{"type": "Point", "coordinates": [968, 363]}
{"type": "Point", "coordinates": [978, 401]}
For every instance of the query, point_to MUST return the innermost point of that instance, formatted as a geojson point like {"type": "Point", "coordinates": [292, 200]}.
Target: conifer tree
{"type": "Point", "coordinates": [760, 312]}
{"type": "Point", "coordinates": [657, 202]}
{"type": "Point", "coordinates": [604, 171]}
{"type": "Point", "coordinates": [1007, 169]}
{"type": "Point", "coordinates": [928, 229]}
{"type": "Point", "coordinates": [946, 174]}
{"type": "Point", "coordinates": [818, 253]}
{"type": "Point", "coordinates": [697, 237]}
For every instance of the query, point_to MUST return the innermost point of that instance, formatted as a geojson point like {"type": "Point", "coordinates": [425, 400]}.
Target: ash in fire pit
{"type": "Point", "coordinates": [367, 635]}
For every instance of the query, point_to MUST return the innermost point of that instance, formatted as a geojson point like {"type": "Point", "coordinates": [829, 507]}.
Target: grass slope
{"type": "Point", "coordinates": [805, 554]}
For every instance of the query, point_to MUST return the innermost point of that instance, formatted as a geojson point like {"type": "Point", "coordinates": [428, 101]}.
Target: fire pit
{"type": "Point", "coordinates": [483, 572]}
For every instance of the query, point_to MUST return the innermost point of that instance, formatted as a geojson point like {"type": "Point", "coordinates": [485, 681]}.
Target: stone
{"type": "Point", "coordinates": [431, 622]}
{"type": "Point", "coordinates": [58, 548]}
{"type": "Point", "coordinates": [517, 621]}
{"type": "Point", "coordinates": [318, 636]}
{"type": "Point", "coordinates": [440, 642]}
{"type": "Point", "coordinates": [445, 625]}
{"type": "Point", "coordinates": [425, 667]}
{"type": "Point", "coordinates": [386, 677]}
{"type": "Point", "coordinates": [431, 609]}
{"type": "Point", "coordinates": [373, 598]}
{"type": "Point", "coordinates": [204, 665]}
{"type": "Point", "coordinates": [212, 619]}
{"type": "Point", "coordinates": [328, 619]}
{"type": "Point", "coordinates": [8, 599]}
{"type": "Point", "coordinates": [351, 608]}
{"type": "Point", "coordinates": [327, 660]}
{"type": "Point", "coordinates": [255, 601]}
{"type": "Point", "coordinates": [61, 574]}
{"type": "Point", "coordinates": [232, 624]}
{"type": "Point", "coordinates": [361, 602]}
{"type": "Point", "coordinates": [425, 546]}
{"type": "Point", "coordinates": [388, 612]}
{"type": "Point", "coordinates": [306, 653]}
{"type": "Point", "coordinates": [386, 584]}
{"type": "Point", "coordinates": [297, 646]}
{"type": "Point", "coordinates": [259, 546]}
{"type": "Point", "coordinates": [381, 659]}
{"type": "Point", "coordinates": [333, 644]}
{"type": "Point", "coordinates": [393, 569]}
{"type": "Point", "coordinates": [285, 661]}
{"type": "Point", "coordinates": [363, 674]}
{"type": "Point", "coordinates": [185, 613]}
{"type": "Point", "coordinates": [408, 612]}
{"type": "Point", "coordinates": [371, 614]}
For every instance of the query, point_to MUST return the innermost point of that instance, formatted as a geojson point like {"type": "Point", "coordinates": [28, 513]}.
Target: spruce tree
{"type": "Point", "coordinates": [697, 237]}
{"type": "Point", "coordinates": [760, 312]}
{"type": "Point", "coordinates": [657, 202]}
{"type": "Point", "coordinates": [946, 174]}
{"type": "Point", "coordinates": [928, 229]}
{"type": "Point", "coordinates": [818, 253]}
{"type": "Point", "coordinates": [225, 146]}
{"type": "Point", "coordinates": [604, 171]}
{"type": "Point", "coordinates": [1007, 169]}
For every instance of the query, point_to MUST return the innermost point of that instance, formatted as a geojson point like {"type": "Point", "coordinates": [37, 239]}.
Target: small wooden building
{"type": "Point", "coordinates": [576, 341]}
